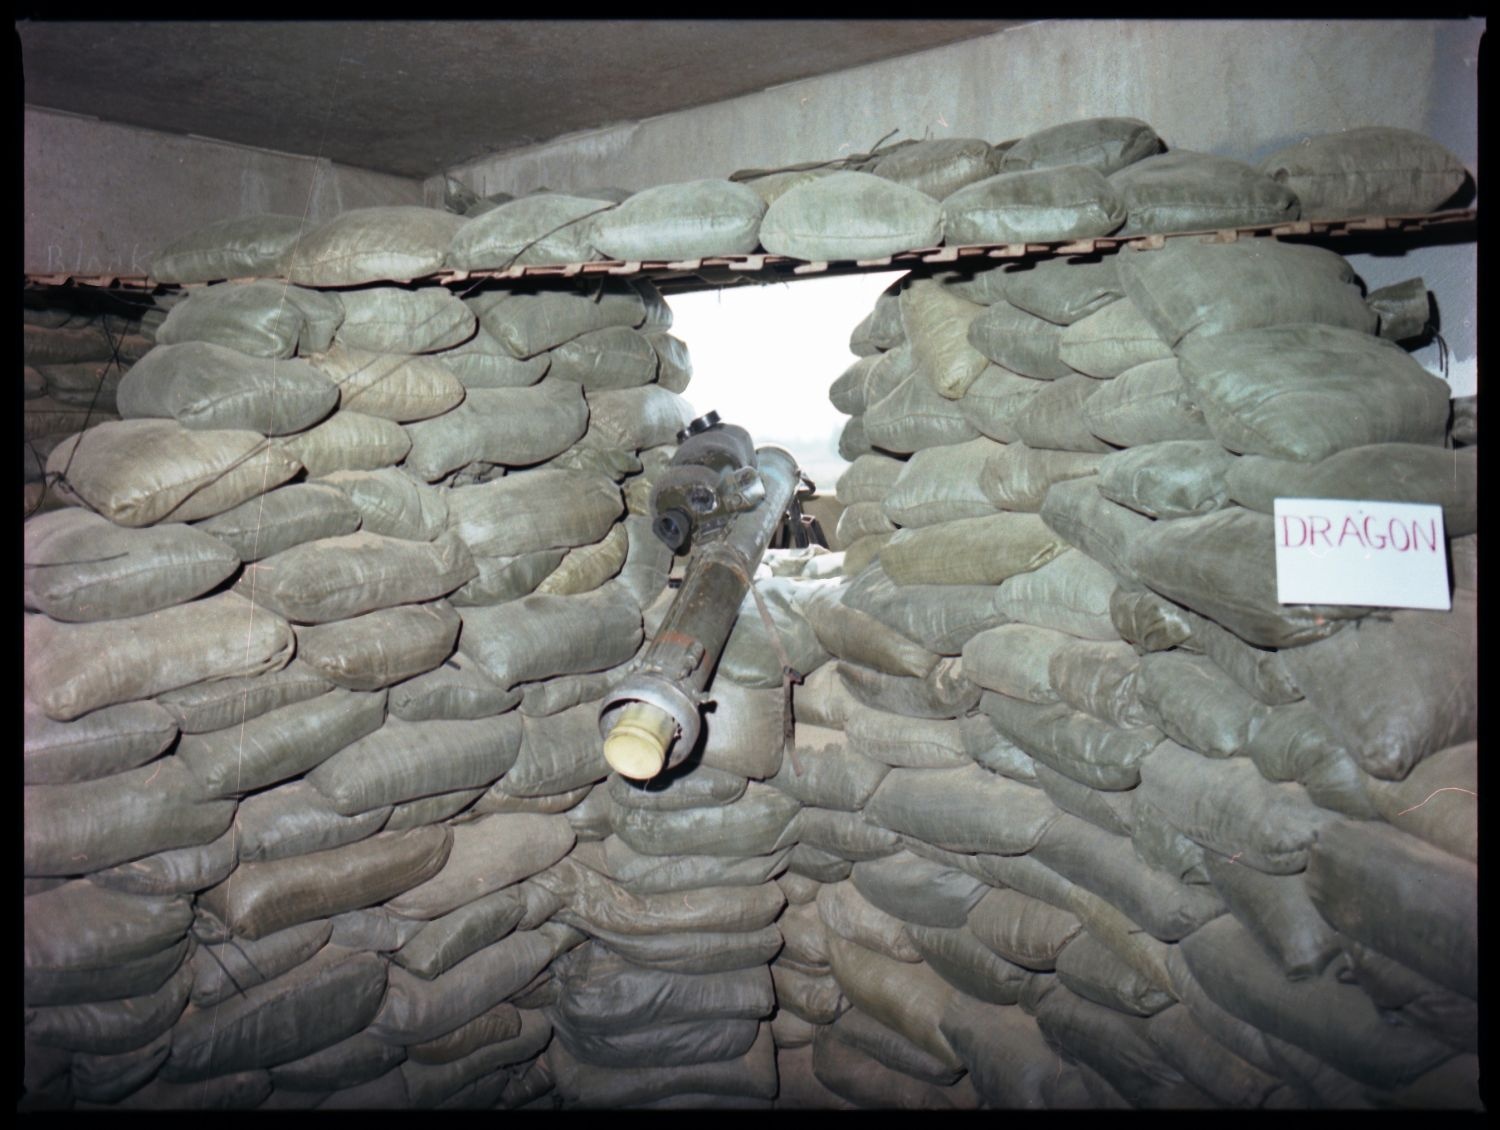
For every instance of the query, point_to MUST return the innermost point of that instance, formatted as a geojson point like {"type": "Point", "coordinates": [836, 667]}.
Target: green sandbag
{"type": "Point", "coordinates": [939, 167]}
{"type": "Point", "coordinates": [751, 825]}
{"type": "Point", "coordinates": [1104, 144]}
{"type": "Point", "coordinates": [881, 328]}
{"type": "Point", "coordinates": [1148, 403]}
{"type": "Point", "coordinates": [112, 1027]}
{"type": "Point", "coordinates": [220, 971]}
{"type": "Point", "coordinates": [849, 215]}
{"type": "Point", "coordinates": [1261, 672]}
{"type": "Point", "coordinates": [917, 890]}
{"type": "Point", "coordinates": [1018, 477]}
{"type": "Point", "coordinates": [204, 385]}
{"type": "Point", "coordinates": [488, 853]}
{"type": "Point", "coordinates": [366, 653]}
{"type": "Point", "coordinates": [942, 484]}
{"type": "Point", "coordinates": [438, 1085]}
{"type": "Point", "coordinates": [538, 637]}
{"type": "Point", "coordinates": [110, 1078]}
{"type": "Point", "coordinates": [1090, 969]}
{"type": "Point", "coordinates": [882, 1044]}
{"type": "Point", "coordinates": [1190, 288]}
{"type": "Point", "coordinates": [484, 362]}
{"type": "Point", "coordinates": [81, 567]}
{"type": "Point", "coordinates": [510, 426]}
{"type": "Point", "coordinates": [614, 357]}
{"type": "Point", "coordinates": [405, 761]}
{"type": "Point", "coordinates": [394, 243]}
{"type": "Point", "coordinates": [1053, 417]}
{"type": "Point", "coordinates": [1070, 593]}
{"type": "Point", "coordinates": [752, 654]}
{"type": "Point", "coordinates": [92, 825]}
{"type": "Point", "coordinates": [602, 993]}
{"type": "Point", "coordinates": [295, 819]}
{"type": "Point", "coordinates": [1385, 472]}
{"type": "Point", "coordinates": [1079, 513]}
{"type": "Point", "coordinates": [348, 1063]}
{"type": "Point", "coordinates": [847, 393]}
{"type": "Point", "coordinates": [1112, 811]}
{"type": "Point", "coordinates": [1173, 479]}
{"type": "Point", "coordinates": [176, 871]}
{"type": "Point", "coordinates": [349, 441]}
{"type": "Point", "coordinates": [1073, 743]}
{"type": "Point", "coordinates": [942, 693]}
{"type": "Point", "coordinates": [1149, 621]}
{"type": "Point", "coordinates": [833, 775]}
{"type": "Point", "coordinates": [857, 636]}
{"type": "Point", "coordinates": [1369, 171]}
{"type": "Point", "coordinates": [85, 943]}
{"type": "Point", "coordinates": [1277, 910]}
{"type": "Point", "coordinates": [857, 1077]}
{"type": "Point", "coordinates": [105, 741]}
{"type": "Point", "coordinates": [282, 518]}
{"type": "Point", "coordinates": [1228, 807]}
{"type": "Point", "coordinates": [239, 248]}
{"type": "Point", "coordinates": [72, 669]}
{"type": "Point", "coordinates": [913, 416]}
{"type": "Point", "coordinates": [963, 810]}
{"type": "Point", "coordinates": [393, 386]}
{"type": "Point", "coordinates": [547, 228]}
{"type": "Point", "coordinates": [446, 940]}
{"type": "Point", "coordinates": [529, 322]}
{"type": "Point", "coordinates": [868, 478]}
{"type": "Point", "coordinates": [690, 220]}
{"type": "Point", "coordinates": [994, 400]}
{"type": "Point", "coordinates": [1014, 659]}
{"type": "Point", "coordinates": [260, 319]}
{"type": "Point", "coordinates": [847, 914]}
{"type": "Point", "coordinates": [1099, 678]}
{"type": "Point", "coordinates": [1064, 290]}
{"type": "Point", "coordinates": [1186, 191]}
{"type": "Point", "coordinates": [839, 835]}
{"type": "Point", "coordinates": [1438, 800]}
{"type": "Point", "coordinates": [535, 510]}
{"type": "Point", "coordinates": [262, 898]}
{"type": "Point", "coordinates": [1196, 704]}
{"type": "Point", "coordinates": [392, 503]}
{"type": "Point", "coordinates": [1112, 340]}
{"type": "Point", "coordinates": [1033, 206]}
{"type": "Point", "coordinates": [1304, 392]}
{"type": "Point", "coordinates": [583, 1085]}
{"type": "Point", "coordinates": [85, 384]}
{"type": "Point", "coordinates": [1019, 342]}
{"type": "Point", "coordinates": [936, 322]}
{"type": "Point", "coordinates": [137, 472]}
{"type": "Point", "coordinates": [942, 618]}
{"type": "Point", "coordinates": [1295, 743]}
{"type": "Point", "coordinates": [970, 550]}
{"type": "Point", "coordinates": [321, 1002]}
{"type": "Point", "coordinates": [906, 997]}
{"type": "Point", "coordinates": [1400, 688]}
{"type": "Point", "coordinates": [387, 319]}
{"type": "Point", "coordinates": [1009, 1061]}
{"type": "Point", "coordinates": [634, 418]}
{"type": "Point", "coordinates": [1222, 566]}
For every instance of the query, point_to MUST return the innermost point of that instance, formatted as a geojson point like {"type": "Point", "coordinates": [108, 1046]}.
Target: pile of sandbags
{"type": "Point", "coordinates": [1078, 180]}
{"type": "Point", "coordinates": [1202, 816]}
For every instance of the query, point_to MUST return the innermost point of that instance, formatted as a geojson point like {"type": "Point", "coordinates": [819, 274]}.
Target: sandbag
{"type": "Point", "coordinates": [262, 898]}
{"type": "Point", "coordinates": [393, 504]}
{"type": "Point", "coordinates": [1193, 288]}
{"type": "Point", "coordinates": [860, 637]}
{"type": "Point", "coordinates": [1368, 171]}
{"type": "Point", "coordinates": [1112, 810]}
{"type": "Point", "coordinates": [349, 441]}
{"type": "Point", "coordinates": [1081, 516]}
{"type": "Point", "coordinates": [105, 741]}
{"type": "Point", "coordinates": [1034, 205]}
{"type": "Point", "coordinates": [1437, 802]}
{"type": "Point", "coordinates": [1089, 968]}
{"type": "Point", "coordinates": [1112, 340]}
{"type": "Point", "coordinates": [1053, 418]}
{"type": "Point", "coordinates": [1099, 678]}
{"type": "Point", "coordinates": [484, 362]}
{"type": "Point", "coordinates": [752, 654]}
{"type": "Point", "coordinates": [832, 774]}
{"type": "Point", "coordinates": [1270, 827]}
{"type": "Point", "coordinates": [80, 567]}
{"type": "Point", "coordinates": [1070, 593]}
{"type": "Point", "coordinates": [634, 419]}
{"type": "Point", "coordinates": [205, 386]}
{"type": "Point", "coordinates": [868, 478]}
{"type": "Point", "coordinates": [689, 220]}
{"type": "Point", "coordinates": [983, 551]}
{"type": "Point", "coordinates": [176, 871]}
{"type": "Point", "coordinates": [1173, 479]}
{"type": "Point", "coordinates": [1019, 342]}
{"type": "Point", "coordinates": [994, 401]}
{"type": "Point", "coordinates": [348, 1063]}
{"type": "Point", "coordinates": [1197, 705]}
{"type": "Point", "coordinates": [850, 215]}
{"type": "Point", "coordinates": [366, 653]}
{"type": "Point", "coordinates": [1277, 911]}
{"type": "Point", "coordinates": [488, 853]}
{"type": "Point", "coordinates": [538, 637]}
{"type": "Point", "coordinates": [509, 426]}
{"type": "Point", "coordinates": [390, 385]}
{"type": "Point", "coordinates": [942, 693]}
{"type": "Point", "coordinates": [112, 1027]}
{"type": "Point", "coordinates": [136, 472]}
{"type": "Point", "coordinates": [614, 357]}
{"type": "Point", "coordinates": [405, 761]}
{"type": "Point", "coordinates": [1104, 144]}
{"type": "Point", "coordinates": [1304, 392]}
{"type": "Point", "coordinates": [545, 228]}
{"type": "Point", "coordinates": [902, 742]}
{"type": "Point", "coordinates": [228, 702]}
{"type": "Point", "coordinates": [282, 518]}
{"type": "Point", "coordinates": [942, 484]}
{"type": "Point", "coordinates": [936, 323]}
{"type": "Point", "coordinates": [1385, 472]}
{"type": "Point", "coordinates": [963, 810]}
{"type": "Point", "coordinates": [1187, 191]}
{"type": "Point", "coordinates": [1014, 659]}
{"type": "Point", "coordinates": [394, 242]}
{"type": "Point", "coordinates": [1018, 477]}
{"type": "Point", "coordinates": [559, 752]}
{"type": "Point", "coordinates": [529, 322]}
{"type": "Point", "coordinates": [541, 509]}
{"type": "Point", "coordinates": [294, 819]}
{"type": "Point", "coordinates": [1148, 621]}
{"type": "Point", "coordinates": [1079, 746]}
{"type": "Point", "coordinates": [917, 890]}
{"type": "Point", "coordinates": [881, 328]}
{"type": "Point", "coordinates": [942, 618]}
{"type": "Point", "coordinates": [90, 385]}
{"type": "Point", "coordinates": [750, 1076]}
{"type": "Point", "coordinates": [1148, 403]}
{"type": "Point", "coordinates": [239, 248]}
{"type": "Point", "coordinates": [1064, 290]}
{"type": "Point", "coordinates": [1398, 689]}
{"type": "Point", "coordinates": [906, 997]}
{"type": "Point", "coordinates": [752, 825]}
{"type": "Point", "coordinates": [938, 167]}
{"type": "Point", "coordinates": [258, 319]}
{"type": "Point", "coordinates": [912, 416]}
{"type": "Point", "coordinates": [849, 915]}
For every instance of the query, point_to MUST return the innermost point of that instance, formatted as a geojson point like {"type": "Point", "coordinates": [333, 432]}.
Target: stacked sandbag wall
{"type": "Point", "coordinates": [1209, 847]}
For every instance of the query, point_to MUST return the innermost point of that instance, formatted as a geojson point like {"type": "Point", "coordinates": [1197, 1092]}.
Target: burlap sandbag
{"type": "Point", "coordinates": [295, 819]}
{"type": "Point", "coordinates": [970, 550]}
{"type": "Point", "coordinates": [136, 472]}
{"type": "Point", "coordinates": [868, 478]}
{"type": "Point", "coordinates": [1018, 477]}
{"type": "Point", "coordinates": [614, 357]}
{"type": "Point", "coordinates": [203, 385]}
{"type": "Point", "coordinates": [936, 322]}
{"type": "Point", "coordinates": [262, 898]}
{"type": "Point", "coordinates": [886, 1046]}
{"type": "Point", "coordinates": [1019, 342]}
{"type": "Point", "coordinates": [938, 167]}
{"type": "Point", "coordinates": [1113, 811]}
{"type": "Point", "coordinates": [1437, 802]}
{"type": "Point", "coordinates": [321, 1002]}
{"type": "Point", "coordinates": [1196, 704]}
{"type": "Point", "coordinates": [541, 509]}
{"type": "Point", "coordinates": [282, 518]}
{"type": "Point", "coordinates": [405, 761]}
{"type": "Point", "coordinates": [112, 1027]}
{"type": "Point", "coordinates": [851, 634]}
{"type": "Point", "coordinates": [349, 441]}
{"type": "Point", "coordinates": [942, 618]}
{"type": "Point", "coordinates": [917, 890]}
{"type": "Point", "coordinates": [635, 418]}
{"type": "Point", "coordinates": [1064, 291]}
{"type": "Point", "coordinates": [80, 567]}
{"type": "Point", "coordinates": [1222, 566]}
{"type": "Point", "coordinates": [392, 503]}
{"type": "Point", "coordinates": [488, 854]}
{"type": "Point", "coordinates": [1369, 171]}
{"type": "Point", "coordinates": [906, 997]}
{"type": "Point", "coordinates": [1113, 339]}
{"type": "Point", "coordinates": [1386, 472]}
{"type": "Point", "coordinates": [1036, 205]}
{"type": "Point", "coordinates": [1014, 660]}
{"type": "Point", "coordinates": [1079, 513]}
{"type": "Point", "coordinates": [1089, 968]}
{"type": "Point", "coordinates": [484, 362]}
{"type": "Point", "coordinates": [538, 637]}
{"type": "Point", "coordinates": [260, 319]}
{"type": "Point", "coordinates": [389, 319]}
{"type": "Point", "coordinates": [239, 248]}
{"type": "Point", "coordinates": [72, 669]}
{"type": "Point", "coordinates": [751, 825]}
{"type": "Point", "coordinates": [396, 243]}
{"type": "Point", "coordinates": [1099, 678]}
{"type": "Point", "coordinates": [1193, 288]}
{"type": "Point", "coordinates": [1227, 806]}
{"type": "Point", "coordinates": [847, 914]}
{"type": "Point", "coordinates": [994, 400]}
{"type": "Point", "coordinates": [445, 941]}
{"type": "Point", "coordinates": [688, 220]}
{"type": "Point", "coordinates": [175, 871]}
{"type": "Point", "coordinates": [228, 702]}
{"type": "Point", "coordinates": [1304, 392]}
{"type": "Point", "coordinates": [88, 826]}
{"type": "Point", "coordinates": [1277, 910]}
{"type": "Point", "coordinates": [848, 215]}
{"type": "Point", "coordinates": [1260, 671]}
{"type": "Point", "coordinates": [377, 649]}
{"type": "Point", "coordinates": [1104, 144]}
{"type": "Point", "coordinates": [1073, 743]}
{"type": "Point", "coordinates": [582, 1085]}
{"type": "Point", "coordinates": [1148, 403]}
{"type": "Point", "coordinates": [752, 654]}
{"type": "Point", "coordinates": [529, 322]}
{"type": "Point", "coordinates": [1400, 688]}
{"type": "Point", "coordinates": [1295, 743]}
{"type": "Point", "coordinates": [1053, 417]}
{"type": "Point", "coordinates": [1070, 593]}
{"type": "Point", "coordinates": [942, 484]}
{"type": "Point", "coordinates": [961, 809]}
{"type": "Point", "coordinates": [105, 741]}
{"type": "Point", "coordinates": [1187, 191]}
{"type": "Point", "coordinates": [511, 426]}
{"type": "Point", "coordinates": [1173, 479]}
{"type": "Point", "coordinates": [545, 228]}
{"type": "Point", "coordinates": [393, 386]}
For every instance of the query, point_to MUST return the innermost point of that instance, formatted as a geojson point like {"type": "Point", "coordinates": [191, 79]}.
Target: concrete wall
{"type": "Point", "coordinates": [1241, 88]}
{"type": "Point", "coordinates": [101, 198]}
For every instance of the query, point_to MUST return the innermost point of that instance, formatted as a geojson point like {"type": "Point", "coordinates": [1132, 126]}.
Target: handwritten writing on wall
{"type": "Point", "coordinates": [1342, 551]}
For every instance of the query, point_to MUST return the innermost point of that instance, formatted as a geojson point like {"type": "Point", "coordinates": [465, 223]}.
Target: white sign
{"type": "Point", "coordinates": [1381, 554]}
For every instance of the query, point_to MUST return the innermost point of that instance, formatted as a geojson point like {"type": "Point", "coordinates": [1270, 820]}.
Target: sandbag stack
{"type": "Point", "coordinates": [1205, 909]}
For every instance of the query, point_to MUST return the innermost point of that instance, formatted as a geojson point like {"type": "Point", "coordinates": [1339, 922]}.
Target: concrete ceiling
{"type": "Point", "coordinates": [415, 98]}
